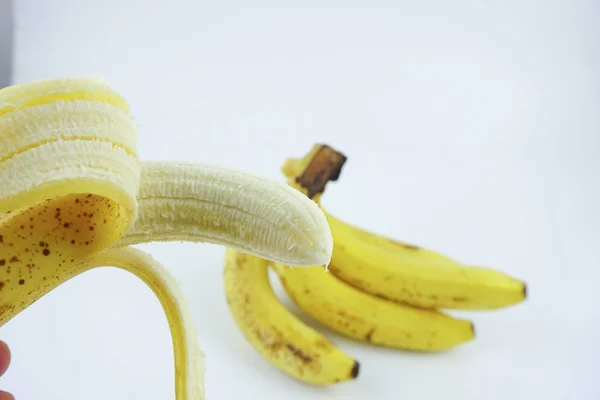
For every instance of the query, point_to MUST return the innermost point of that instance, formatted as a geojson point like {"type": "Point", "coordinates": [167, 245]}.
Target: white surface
{"type": "Point", "coordinates": [470, 129]}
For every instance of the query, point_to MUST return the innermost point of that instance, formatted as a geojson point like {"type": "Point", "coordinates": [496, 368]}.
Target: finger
{"type": "Point", "coordinates": [4, 359]}
{"type": "Point", "coordinates": [6, 396]}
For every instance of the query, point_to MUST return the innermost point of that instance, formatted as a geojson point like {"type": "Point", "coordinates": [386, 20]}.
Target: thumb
{"type": "Point", "coordinates": [4, 358]}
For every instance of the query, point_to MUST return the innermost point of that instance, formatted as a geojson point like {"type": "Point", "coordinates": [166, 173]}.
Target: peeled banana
{"type": "Point", "coordinates": [213, 204]}
{"type": "Point", "coordinates": [74, 195]}
{"type": "Point", "coordinates": [400, 271]}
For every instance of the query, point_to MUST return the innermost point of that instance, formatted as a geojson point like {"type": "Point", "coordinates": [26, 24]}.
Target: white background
{"type": "Point", "coordinates": [471, 128]}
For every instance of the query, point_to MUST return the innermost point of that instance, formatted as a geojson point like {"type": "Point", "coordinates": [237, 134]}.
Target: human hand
{"type": "Point", "coordinates": [4, 362]}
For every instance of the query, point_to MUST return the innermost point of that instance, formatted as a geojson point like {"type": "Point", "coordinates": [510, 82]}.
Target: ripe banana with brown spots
{"type": "Point", "coordinates": [274, 332]}
{"type": "Point", "coordinates": [396, 270]}
{"type": "Point", "coordinates": [361, 316]}
{"type": "Point", "coordinates": [74, 195]}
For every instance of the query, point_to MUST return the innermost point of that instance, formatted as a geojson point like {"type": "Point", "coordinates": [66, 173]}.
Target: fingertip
{"type": "Point", "coordinates": [6, 396]}
{"type": "Point", "coordinates": [3, 346]}
{"type": "Point", "coordinates": [4, 359]}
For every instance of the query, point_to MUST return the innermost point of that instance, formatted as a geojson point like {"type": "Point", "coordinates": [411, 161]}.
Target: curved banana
{"type": "Point", "coordinates": [399, 271]}
{"type": "Point", "coordinates": [69, 180]}
{"type": "Point", "coordinates": [364, 317]}
{"type": "Point", "coordinates": [421, 282]}
{"type": "Point", "coordinates": [206, 203]}
{"type": "Point", "coordinates": [275, 333]}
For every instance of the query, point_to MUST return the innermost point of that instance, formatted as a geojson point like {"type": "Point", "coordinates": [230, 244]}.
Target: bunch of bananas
{"type": "Point", "coordinates": [375, 290]}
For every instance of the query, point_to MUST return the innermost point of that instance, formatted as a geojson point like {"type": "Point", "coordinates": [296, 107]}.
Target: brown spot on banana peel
{"type": "Point", "coordinates": [4, 308]}
{"type": "Point", "coordinates": [350, 317]}
{"type": "Point", "coordinates": [323, 344]}
{"type": "Point", "coordinates": [404, 245]}
{"type": "Point", "coordinates": [325, 166]}
{"type": "Point", "coordinates": [369, 335]}
{"type": "Point", "coordinates": [240, 261]}
{"type": "Point", "coordinates": [299, 353]}
{"type": "Point", "coordinates": [276, 343]}
{"type": "Point", "coordinates": [460, 299]}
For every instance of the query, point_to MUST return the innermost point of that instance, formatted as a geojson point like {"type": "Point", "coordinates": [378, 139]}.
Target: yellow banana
{"type": "Point", "coordinates": [361, 316]}
{"type": "Point", "coordinates": [69, 180]}
{"type": "Point", "coordinates": [405, 249]}
{"type": "Point", "coordinates": [275, 333]}
{"type": "Point", "coordinates": [421, 282]}
{"type": "Point", "coordinates": [400, 271]}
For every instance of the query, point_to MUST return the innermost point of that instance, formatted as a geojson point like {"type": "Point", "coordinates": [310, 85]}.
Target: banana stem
{"type": "Point", "coordinates": [189, 359]}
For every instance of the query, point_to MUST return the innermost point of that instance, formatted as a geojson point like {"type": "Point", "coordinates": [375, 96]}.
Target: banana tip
{"type": "Point", "coordinates": [473, 329]}
{"type": "Point", "coordinates": [524, 290]}
{"type": "Point", "coordinates": [355, 370]}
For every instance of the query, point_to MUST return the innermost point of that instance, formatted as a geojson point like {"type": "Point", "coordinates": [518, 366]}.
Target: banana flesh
{"type": "Point", "coordinates": [69, 182]}
{"type": "Point", "coordinates": [363, 317]}
{"type": "Point", "coordinates": [403, 272]}
{"type": "Point", "coordinates": [274, 332]}
{"type": "Point", "coordinates": [207, 203]}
